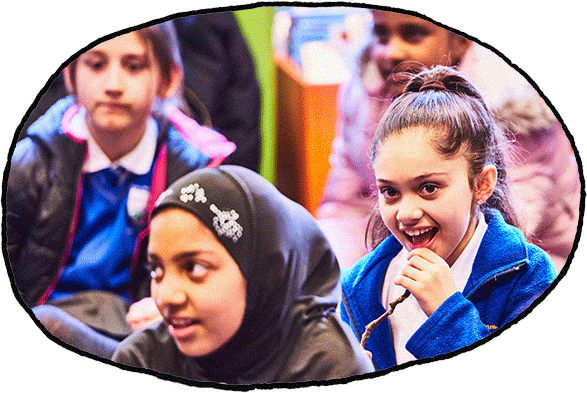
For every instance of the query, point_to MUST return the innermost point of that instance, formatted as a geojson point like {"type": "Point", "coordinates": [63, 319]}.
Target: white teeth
{"type": "Point", "coordinates": [417, 232]}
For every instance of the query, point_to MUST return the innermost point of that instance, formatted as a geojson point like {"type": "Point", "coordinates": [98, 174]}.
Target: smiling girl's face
{"type": "Point", "coordinates": [196, 284]}
{"type": "Point", "coordinates": [425, 198]}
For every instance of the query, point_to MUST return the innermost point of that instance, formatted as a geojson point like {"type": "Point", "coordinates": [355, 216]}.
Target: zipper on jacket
{"type": "Point", "coordinates": [497, 276]}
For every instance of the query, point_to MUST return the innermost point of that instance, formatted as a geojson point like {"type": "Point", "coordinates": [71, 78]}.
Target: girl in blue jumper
{"type": "Point", "coordinates": [83, 182]}
{"type": "Point", "coordinates": [445, 230]}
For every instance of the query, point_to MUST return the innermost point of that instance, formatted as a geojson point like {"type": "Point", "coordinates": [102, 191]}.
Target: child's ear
{"type": "Point", "coordinates": [174, 83]}
{"type": "Point", "coordinates": [67, 78]}
{"type": "Point", "coordinates": [486, 183]}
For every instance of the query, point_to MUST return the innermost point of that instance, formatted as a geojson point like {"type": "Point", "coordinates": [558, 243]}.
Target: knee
{"type": "Point", "coordinates": [51, 317]}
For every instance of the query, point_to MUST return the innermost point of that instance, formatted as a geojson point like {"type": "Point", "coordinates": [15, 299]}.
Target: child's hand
{"type": "Point", "coordinates": [427, 276]}
{"type": "Point", "coordinates": [142, 314]}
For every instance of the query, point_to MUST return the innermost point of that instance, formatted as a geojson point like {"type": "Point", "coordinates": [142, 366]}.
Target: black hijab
{"type": "Point", "coordinates": [290, 331]}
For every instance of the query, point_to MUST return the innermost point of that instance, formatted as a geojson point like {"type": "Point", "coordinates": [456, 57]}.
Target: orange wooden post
{"type": "Point", "coordinates": [306, 120]}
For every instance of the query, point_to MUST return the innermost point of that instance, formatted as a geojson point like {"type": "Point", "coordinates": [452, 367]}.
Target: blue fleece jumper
{"type": "Point", "coordinates": [508, 275]}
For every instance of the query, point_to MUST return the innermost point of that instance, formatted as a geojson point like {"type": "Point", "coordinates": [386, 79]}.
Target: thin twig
{"type": "Point", "coordinates": [369, 328]}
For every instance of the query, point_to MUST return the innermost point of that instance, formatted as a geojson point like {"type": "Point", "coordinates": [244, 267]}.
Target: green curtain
{"type": "Point", "coordinates": [256, 27]}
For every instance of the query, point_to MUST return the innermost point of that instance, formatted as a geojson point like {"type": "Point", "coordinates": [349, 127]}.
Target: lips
{"type": "Point", "coordinates": [113, 106]}
{"type": "Point", "coordinates": [420, 237]}
{"type": "Point", "coordinates": [181, 328]}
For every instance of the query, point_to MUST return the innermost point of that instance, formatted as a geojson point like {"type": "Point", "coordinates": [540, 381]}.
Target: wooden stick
{"type": "Point", "coordinates": [369, 328]}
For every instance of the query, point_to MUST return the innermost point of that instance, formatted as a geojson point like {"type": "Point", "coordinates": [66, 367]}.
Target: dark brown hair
{"type": "Point", "coordinates": [161, 39]}
{"type": "Point", "coordinates": [443, 100]}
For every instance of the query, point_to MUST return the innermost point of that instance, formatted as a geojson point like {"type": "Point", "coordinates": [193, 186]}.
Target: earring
{"type": "Point", "coordinates": [480, 201]}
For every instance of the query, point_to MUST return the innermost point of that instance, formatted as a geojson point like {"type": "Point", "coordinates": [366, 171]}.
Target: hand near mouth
{"type": "Point", "coordinates": [427, 276]}
{"type": "Point", "coordinates": [142, 314]}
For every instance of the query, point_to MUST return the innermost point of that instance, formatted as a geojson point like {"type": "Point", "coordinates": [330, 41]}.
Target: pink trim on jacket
{"type": "Point", "coordinates": [210, 142]}
{"type": "Point", "coordinates": [158, 185]}
{"type": "Point", "coordinates": [66, 121]}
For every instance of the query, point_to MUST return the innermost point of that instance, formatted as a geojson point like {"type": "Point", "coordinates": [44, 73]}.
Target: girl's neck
{"type": "Point", "coordinates": [466, 239]}
{"type": "Point", "coordinates": [116, 145]}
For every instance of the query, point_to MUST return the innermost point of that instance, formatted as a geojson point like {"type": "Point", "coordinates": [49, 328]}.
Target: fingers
{"type": "Point", "coordinates": [427, 276]}
{"type": "Point", "coordinates": [426, 254]}
{"type": "Point", "coordinates": [421, 265]}
{"type": "Point", "coordinates": [142, 313]}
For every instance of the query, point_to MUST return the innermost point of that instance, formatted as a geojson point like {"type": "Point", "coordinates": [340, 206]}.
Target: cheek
{"type": "Point", "coordinates": [155, 294]}
{"type": "Point", "coordinates": [377, 51]}
{"type": "Point", "coordinates": [455, 219]}
{"type": "Point", "coordinates": [231, 300]}
{"type": "Point", "coordinates": [424, 53]}
{"type": "Point", "coordinates": [388, 214]}
{"type": "Point", "coordinates": [434, 52]}
{"type": "Point", "coordinates": [224, 312]}
{"type": "Point", "coordinates": [143, 90]}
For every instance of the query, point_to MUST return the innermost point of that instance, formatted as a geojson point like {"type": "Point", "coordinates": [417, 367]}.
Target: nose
{"type": "Point", "coordinates": [114, 81]}
{"type": "Point", "coordinates": [168, 292]}
{"type": "Point", "coordinates": [394, 51]}
{"type": "Point", "coordinates": [409, 212]}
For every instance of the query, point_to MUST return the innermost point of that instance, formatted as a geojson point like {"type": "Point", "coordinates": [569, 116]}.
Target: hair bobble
{"type": "Point", "coordinates": [433, 84]}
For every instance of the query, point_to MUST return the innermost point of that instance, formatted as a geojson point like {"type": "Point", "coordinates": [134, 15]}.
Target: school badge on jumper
{"type": "Point", "coordinates": [136, 206]}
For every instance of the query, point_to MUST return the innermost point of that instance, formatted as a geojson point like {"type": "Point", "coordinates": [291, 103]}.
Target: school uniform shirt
{"type": "Point", "coordinates": [507, 277]}
{"type": "Point", "coordinates": [44, 191]}
{"type": "Point", "coordinates": [290, 330]}
{"type": "Point", "coordinates": [113, 206]}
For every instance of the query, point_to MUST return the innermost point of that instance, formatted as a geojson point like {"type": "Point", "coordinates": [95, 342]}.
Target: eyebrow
{"type": "Point", "coordinates": [417, 179]}
{"type": "Point", "coordinates": [432, 174]}
{"type": "Point", "coordinates": [181, 256]}
{"type": "Point", "coordinates": [100, 52]}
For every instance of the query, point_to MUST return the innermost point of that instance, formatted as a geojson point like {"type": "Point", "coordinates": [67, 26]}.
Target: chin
{"type": "Point", "coordinates": [193, 350]}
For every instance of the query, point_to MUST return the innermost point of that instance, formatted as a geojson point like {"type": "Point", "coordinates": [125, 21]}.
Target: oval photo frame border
{"type": "Point", "coordinates": [376, 374]}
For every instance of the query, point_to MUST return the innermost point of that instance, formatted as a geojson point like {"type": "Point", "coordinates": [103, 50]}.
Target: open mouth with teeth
{"type": "Point", "coordinates": [420, 237]}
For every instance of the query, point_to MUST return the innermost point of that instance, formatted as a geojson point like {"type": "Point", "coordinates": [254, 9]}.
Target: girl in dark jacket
{"type": "Point", "coordinates": [83, 182]}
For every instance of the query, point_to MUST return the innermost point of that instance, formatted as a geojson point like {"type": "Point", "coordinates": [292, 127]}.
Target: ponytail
{"type": "Point", "coordinates": [443, 100]}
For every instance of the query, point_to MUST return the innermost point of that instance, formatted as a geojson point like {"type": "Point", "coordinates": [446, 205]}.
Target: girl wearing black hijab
{"type": "Point", "coordinates": [247, 286]}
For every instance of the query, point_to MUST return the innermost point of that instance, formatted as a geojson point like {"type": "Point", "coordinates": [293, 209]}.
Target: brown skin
{"type": "Point", "coordinates": [400, 38]}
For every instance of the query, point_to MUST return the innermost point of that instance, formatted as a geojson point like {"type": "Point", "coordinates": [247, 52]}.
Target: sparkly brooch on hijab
{"type": "Point", "coordinates": [224, 223]}
{"type": "Point", "coordinates": [193, 192]}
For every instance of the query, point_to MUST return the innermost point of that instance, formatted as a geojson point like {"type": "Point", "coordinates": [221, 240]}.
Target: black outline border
{"type": "Point", "coordinates": [371, 375]}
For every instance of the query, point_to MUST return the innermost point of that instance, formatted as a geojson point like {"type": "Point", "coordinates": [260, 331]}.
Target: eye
{"type": "Point", "coordinates": [95, 64]}
{"type": "Point", "coordinates": [155, 271]}
{"type": "Point", "coordinates": [413, 34]}
{"type": "Point", "coordinates": [196, 270]}
{"type": "Point", "coordinates": [428, 189]}
{"type": "Point", "coordinates": [388, 192]}
{"type": "Point", "coordinates": [135, 65]}
{"type": "Point", "coordinates": [381, 33]}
